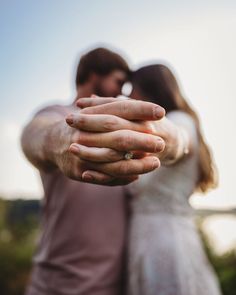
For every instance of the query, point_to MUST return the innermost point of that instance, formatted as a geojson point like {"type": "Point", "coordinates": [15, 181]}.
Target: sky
{"type": "Point", "coordinates": [41, 42]}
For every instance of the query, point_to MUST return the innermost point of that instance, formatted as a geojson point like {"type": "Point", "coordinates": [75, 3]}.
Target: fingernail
{"type": "Point", "coordinates": [160, 145]}
{"type": "Point", "coordinates": [70, 119]}
{"type": "Point", "coordinates": [87, 177]}
{"type": "Point", "coordinates": [74, 148]}
{"type": "Point", "coordinates": [78, 103]}
{"type": "Point", "coordinates": [94, 96]}
{"type": "Point", "coordinates": [159, 112]}
{"type": "Point", "coordinates": [156, 163]}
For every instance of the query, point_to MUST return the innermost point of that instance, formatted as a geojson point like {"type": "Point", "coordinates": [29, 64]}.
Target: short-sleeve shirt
{"type": "Point", "coordinates": [83, 235]}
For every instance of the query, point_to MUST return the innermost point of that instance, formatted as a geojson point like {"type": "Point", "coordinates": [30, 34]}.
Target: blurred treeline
{"type": "Point", "coordinates": [19, 222]}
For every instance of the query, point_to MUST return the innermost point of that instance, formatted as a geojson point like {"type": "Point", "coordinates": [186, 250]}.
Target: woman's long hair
{"type": "Point", "coordinates": [159, 85]}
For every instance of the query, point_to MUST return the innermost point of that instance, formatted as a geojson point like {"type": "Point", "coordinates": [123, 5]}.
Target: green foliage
{"type": "Point", "coordinates": [225, 265]}
{"type": "Point", "coordinates": [17, 240]}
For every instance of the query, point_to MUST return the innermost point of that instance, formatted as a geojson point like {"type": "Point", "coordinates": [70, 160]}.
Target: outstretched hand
{"type": "Point", "coordinates": [109, 127]}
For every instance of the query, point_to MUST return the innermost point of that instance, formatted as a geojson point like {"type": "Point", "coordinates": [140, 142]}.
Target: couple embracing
{"type": "Point", "coordinates": [117, 175]}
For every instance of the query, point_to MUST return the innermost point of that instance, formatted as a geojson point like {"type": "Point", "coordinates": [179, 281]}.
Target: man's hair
{"type": "Point", "coordinates": [100, 61]}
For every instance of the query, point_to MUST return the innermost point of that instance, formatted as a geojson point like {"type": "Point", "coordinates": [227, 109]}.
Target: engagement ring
{"type": "Point", "coordinates": [128, 156]}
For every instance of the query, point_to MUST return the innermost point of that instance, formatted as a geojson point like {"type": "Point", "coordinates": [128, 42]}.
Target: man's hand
{"type": "Point", "coordinates": [117, 110]}
{"type": "Point", "coordinates": [55, 144]}
{"type": "Point", "coordinates": [74, 159]}
{"type": "Point", "coordinates": [118, 134]}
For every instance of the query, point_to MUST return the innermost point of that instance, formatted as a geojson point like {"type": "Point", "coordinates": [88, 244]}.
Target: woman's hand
{"type": "Point", "coordinates": [117, 132]}
{"type": "Point", "coordinates": [161, 127]}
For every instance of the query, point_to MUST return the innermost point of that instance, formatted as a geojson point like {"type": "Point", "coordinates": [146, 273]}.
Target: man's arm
{"type": "Point", "coordinates": [48, 140]}
{"type": "Point", "coordinates": [41, 135]}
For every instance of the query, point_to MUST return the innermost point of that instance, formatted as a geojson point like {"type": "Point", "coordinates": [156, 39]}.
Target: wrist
{"type": "Point", "coordinates": [56, 142]}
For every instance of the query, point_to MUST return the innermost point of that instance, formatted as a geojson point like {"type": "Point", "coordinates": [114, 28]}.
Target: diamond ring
{"type": "Point", "coordinates": [128, 155]}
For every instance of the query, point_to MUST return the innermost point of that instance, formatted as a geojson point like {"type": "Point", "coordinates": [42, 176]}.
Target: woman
{"type": "Point", "coordinates": [165, 252]}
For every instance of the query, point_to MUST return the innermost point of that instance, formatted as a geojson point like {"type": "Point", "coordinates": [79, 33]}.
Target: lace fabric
{"type": "Point", "coordinates": [166, 256]}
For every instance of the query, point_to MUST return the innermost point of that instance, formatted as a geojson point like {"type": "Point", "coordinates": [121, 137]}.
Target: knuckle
{"type": "Point", "coordinates": [154, 144]}
{"type": "Point", "coordinates": [123, 168]}
{"type": "Point", "coordinates": [105, 178]}
{"type": "Point", "coordinates": [84, 154]}
{"type": "Point", "coordinates": [82, 137]}
{"type": "Point", "coordinates": [148, 127]}
{"type": "Point", "coordinates": [75, 171]}
{"type": "Point", "coordinates": [123, 107]}
{"type": "Point", "coordinates": [113, 155]}
{"type": "Point", "coordinates": [75, 136]}
{"type": "Point", "coordinates": [142, 167]}
{"type": "Point", "coordinates": [74, 174]}
{"type": "Point", "coordinates": [146, 166]}
{"type": "Point", "coordinates": [110, 124]}
{"type": "Point", "coordinates": [124, 140]}
{"type": "Point", "coordinates": [100, 178]}
{"type": "Point", "coordinates": [122, 143]}
{"type": "Point", "coordinates": [150, 142]}
{"type": "Point", "coordinates": [80, 120]}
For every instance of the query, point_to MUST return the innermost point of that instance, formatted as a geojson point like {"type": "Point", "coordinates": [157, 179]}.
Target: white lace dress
{"type": "Point", "coordinates": [166, 256]}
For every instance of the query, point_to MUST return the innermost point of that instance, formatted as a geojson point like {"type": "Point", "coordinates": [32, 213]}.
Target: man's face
{"type": "Point", "coordinates": [111, 84]}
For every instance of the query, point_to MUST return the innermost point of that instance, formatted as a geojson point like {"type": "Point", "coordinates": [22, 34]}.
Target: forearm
{"type": "Point", "coordinates": [39, 138]}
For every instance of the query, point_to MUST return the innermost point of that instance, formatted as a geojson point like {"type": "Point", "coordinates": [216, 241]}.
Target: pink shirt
{"type": "Point", "coordinates": [82, 245]}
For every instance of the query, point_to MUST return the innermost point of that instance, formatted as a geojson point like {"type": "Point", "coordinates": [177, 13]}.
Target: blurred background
{"type": "Point", "coordinates": [41, 42]}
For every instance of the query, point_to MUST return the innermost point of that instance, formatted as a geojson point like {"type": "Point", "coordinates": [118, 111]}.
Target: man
{"type": "Point", "coordinates": [81, 248]}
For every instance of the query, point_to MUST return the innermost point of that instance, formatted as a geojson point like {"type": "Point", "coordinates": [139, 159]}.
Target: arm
{"type": "Point", "coordinates": [48, 142]}
{"type": "Point", "coordinates": [41, 136]}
